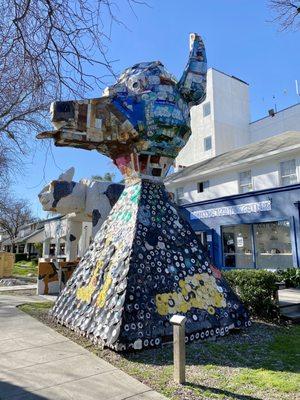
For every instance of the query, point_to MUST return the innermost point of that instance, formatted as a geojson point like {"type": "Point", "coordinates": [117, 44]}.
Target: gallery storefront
{"type": "Point", "coordinates": [252, 230]}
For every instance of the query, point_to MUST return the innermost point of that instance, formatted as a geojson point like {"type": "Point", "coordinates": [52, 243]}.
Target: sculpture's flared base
{"type": "Point", "coordinates": [145, 265]}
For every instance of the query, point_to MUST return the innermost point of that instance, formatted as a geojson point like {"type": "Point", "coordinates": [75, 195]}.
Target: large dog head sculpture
{"type": "Point", "coordinates": [142, 121]}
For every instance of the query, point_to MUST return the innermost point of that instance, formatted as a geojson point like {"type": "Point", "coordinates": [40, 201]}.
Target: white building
{"type": "Point", "coordinates": [54, 235]}
{"type": "Point", "coordinates": [238, 181]}
{"type": "Point", "coordinates": [222, 123]}
{"type": "Point", "coordinates": [245, 204]}
{"type": "Point", "coordinates": [266, 164]}
{"type": "Point", "coordinates": [56, 238]}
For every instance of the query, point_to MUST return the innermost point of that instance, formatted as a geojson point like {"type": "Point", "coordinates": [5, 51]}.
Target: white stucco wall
{"type": "Point", "coordinates": [227, 124]}
{"type": "Point", "coordinates": [265, 175]}
{"type": "Point", "coordinates": [283, 121]}
{"type": "Point", "coordinates": [201, 127]}
{"type": "Point", "coordinates": [231, 112]}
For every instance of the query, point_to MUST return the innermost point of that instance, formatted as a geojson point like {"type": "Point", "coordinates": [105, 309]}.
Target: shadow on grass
{"type": "Point", "coordinates": [263, 346]}
{"type": "Point", "coordinates": [220, 392]}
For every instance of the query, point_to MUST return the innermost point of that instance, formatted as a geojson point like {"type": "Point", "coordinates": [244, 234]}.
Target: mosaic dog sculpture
{"type": "Point", "coordinates": [146, 262]}
{"type": "Point", "coordinates": [88, 199]}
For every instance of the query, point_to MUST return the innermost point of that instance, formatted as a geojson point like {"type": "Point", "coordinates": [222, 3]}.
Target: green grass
{"type": "Point", "coordinates": [261, 363]}
{"type": "Point", "coordinates": [285, 382]}
{"type": "Point", "coordinates": [36, 308]}
{"type": "Point", "coordinates": [23, 268]}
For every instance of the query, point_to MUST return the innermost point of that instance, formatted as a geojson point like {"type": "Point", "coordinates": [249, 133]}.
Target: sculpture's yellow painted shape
{"type": "Point", "coordinates": [197, 291]}
{"type": "Point", "coordinates": [103, 292]}
{"type": "Point", "coordinates": [85, 293]}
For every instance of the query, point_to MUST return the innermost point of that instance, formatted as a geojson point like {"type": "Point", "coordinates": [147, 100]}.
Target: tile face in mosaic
{"type": "Point", "coordinates": [146, 263]}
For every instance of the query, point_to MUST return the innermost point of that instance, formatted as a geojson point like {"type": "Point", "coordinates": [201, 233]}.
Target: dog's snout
{"type": "Point", "coordinates": [43, 192]}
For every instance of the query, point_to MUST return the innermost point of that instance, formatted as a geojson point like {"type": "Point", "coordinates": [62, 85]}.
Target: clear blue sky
{"type": "Point", "coordinates": [239, 41]}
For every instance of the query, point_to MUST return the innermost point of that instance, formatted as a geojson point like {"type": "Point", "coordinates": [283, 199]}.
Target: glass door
{"type": "Point", "coordinates": [237, 246]}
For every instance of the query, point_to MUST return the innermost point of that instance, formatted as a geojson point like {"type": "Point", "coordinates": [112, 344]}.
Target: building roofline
{"type": "Point", "coordinates": [179, 176]}
{"type": "Point", "coordinates": [277, 112]}
{"type": "Point", "coordinates": [230, 76]}
{"type": "Point", "coordinates": [25, 238]}
{"type": "Point", "coordinates": [235, 164]}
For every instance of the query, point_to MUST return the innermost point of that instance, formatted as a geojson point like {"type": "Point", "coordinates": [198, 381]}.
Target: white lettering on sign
{"type": "Point", "coordinates": [247, 208]}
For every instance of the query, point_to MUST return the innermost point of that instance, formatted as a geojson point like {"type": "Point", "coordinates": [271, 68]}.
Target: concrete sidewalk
{"type": "Point", "coordinates": [37, 363]}
{"type": "Point", "coordinates": [17, 287]}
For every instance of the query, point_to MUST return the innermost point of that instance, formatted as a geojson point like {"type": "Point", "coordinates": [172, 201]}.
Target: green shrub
{"type": "Point", "coordinates": [290, 276]}
{"type": "Point", "coordinates": [20, 257]}
{"type": "Point", "coordinates": [256, 289]}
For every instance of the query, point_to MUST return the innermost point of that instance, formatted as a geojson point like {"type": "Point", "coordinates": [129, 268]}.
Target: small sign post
{"type": "Point", "coordinates": [178, 322]}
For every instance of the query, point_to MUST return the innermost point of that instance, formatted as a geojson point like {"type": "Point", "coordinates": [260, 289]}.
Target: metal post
{"type": "Point", "coordinates": [178, 322]}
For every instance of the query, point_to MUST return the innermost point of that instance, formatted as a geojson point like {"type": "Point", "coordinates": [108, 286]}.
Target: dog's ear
{"type": "Point", "coordinates": [192, 84]}
{"type": "Point", "coordinates": [67, 175]}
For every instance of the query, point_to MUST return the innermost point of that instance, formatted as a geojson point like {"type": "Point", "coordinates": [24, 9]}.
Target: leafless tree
{"type": "Point", "coordinates": [13, 214]}
{"type": "Point", "coordinates": [287, 13]}
{"type": "Point", "coordinates": [49, 49]}
{"type": "Point", "coordinates": [6, 162]}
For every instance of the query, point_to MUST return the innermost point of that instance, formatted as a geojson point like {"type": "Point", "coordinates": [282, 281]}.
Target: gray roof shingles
{"type": "Point", "coordinates": [253, 150]}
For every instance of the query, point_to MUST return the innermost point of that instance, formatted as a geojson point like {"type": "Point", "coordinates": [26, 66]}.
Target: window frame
{"type": "Point", "coordinates": [241, 186]}
{"type": "Point", "coordinates": [206, 105]}
{"type": "Point", "coordinates": [176, 193]}
{"type": "Point", "coordinates": [254, 244]}
{"type": "Point", "coordinates": [204, 139]}
{"type": "Point", "coordinates": [281, 176]}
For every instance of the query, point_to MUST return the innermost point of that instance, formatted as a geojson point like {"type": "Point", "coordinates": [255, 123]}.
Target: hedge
{"type": "Point", "coordinates": [256, 289]}
{"type": "Point", "coordinates": [290, 276]}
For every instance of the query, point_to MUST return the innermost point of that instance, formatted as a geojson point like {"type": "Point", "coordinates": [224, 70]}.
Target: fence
{"type": "Point", "coordinates": [7, 261]}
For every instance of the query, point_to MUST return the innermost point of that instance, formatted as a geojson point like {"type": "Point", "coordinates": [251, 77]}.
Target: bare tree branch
{"type": "Point", "coordinates": [287, 13]}
{"type": "Point", "coordinates": [48, 49]}
{"type": "Point", "coordinates": [13, 214]}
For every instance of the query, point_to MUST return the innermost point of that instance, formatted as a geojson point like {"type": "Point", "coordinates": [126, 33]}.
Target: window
{"type": "Point", "coordinates": [207, 143]}
{"type": "Point", "coordinates": [288, 172]}
{"type": "Point", "coordinates": [271, 241]}
{"type": "Point", "coordinates": [201, 186]}
{"type": "Point", "coordinates": [245, 182]}
{"type": "Point", "coordinates": [179, 196]}
{"type": "Point", "coordinates": [206, 109]}
{"type": "Point", "coordinates": [179, 193]}
{"type": "Point", "coordinates": [273, 244]}
{"type": "Point", "coordinates": [202, 236]}
{"type": "Point", "coordinates": [237, 246]}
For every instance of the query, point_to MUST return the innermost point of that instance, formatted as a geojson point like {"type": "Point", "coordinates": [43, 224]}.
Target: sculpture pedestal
{"type": "Point", "coordinates": [145, 265]}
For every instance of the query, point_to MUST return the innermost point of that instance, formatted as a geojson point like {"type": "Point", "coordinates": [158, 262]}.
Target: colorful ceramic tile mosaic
{"type": "Point", "coordinates": [146, 263]}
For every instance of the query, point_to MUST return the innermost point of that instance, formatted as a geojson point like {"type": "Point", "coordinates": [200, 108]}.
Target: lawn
{"type": "Point", "coordinates": [23, 268]}
{"type": "Point", "coordinates": [261, 363]}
